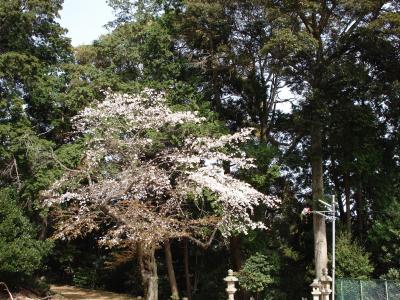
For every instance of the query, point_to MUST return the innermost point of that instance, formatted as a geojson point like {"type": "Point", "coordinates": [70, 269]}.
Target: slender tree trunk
{"type": "Point", "coordinates": [186, 266]}
{"type": "Point", "coordinates": [217, 105]}
{"type": "Point", "coordinates": [338, 193]}
{"type": "Point", "coordinates": [171, 272]}
{"type": "Point", "coordinates": [346, 182]}
{"type": "Point", "coordinates": [263, 119]}
{"type": "Point", "coordinates": [43, 229]}
{"type": "Point", "coordinates": [148, 271]}
{"type": "Point", "coordinates": [319, 226]}
{"type": "Point", "coordinates": [341, 206]}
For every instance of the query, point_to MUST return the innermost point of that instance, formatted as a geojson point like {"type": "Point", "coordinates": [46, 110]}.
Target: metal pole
{"type": "Point", "coordinates": [333, 245]}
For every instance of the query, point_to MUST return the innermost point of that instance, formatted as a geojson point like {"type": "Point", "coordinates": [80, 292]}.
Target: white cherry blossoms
{"type": "Point", "coordinates": [137, 188]}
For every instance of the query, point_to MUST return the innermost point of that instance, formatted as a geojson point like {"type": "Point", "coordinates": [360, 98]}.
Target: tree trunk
{"type": "Point", "coordinates": [319, 226]}
{"type": "Point", "coordinates": [360, 210]}
{"type": "Point", "coordinates": [186, 266]}
{"type": "Point", "coordinates": [338, 193]}
{"type": "Point", "coordinates": [342, 215]}
{"type": "Point", "coordinates": [235, 248]}
{"type": "Point", "coordinates": [43, 229]}
{"type": "Point", "coordinates": [263, 119]}
{"type": "Point", "coordinates": [234, 245]}
{"type": "Point", "coordinates": [171, 272]}
{"type": "Point", "coordinates": [148, 271]}
{"type": "Point", "coordinates": [346, 182]}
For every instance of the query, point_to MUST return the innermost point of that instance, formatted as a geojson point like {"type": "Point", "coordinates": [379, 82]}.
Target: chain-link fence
{"type": "Point", "coordinates": [353, 289]}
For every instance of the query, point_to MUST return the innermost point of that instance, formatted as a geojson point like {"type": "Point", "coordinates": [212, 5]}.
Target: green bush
{"type": "Point", "coordinates": [352, 261]}
{"type": "Point", "coordinates": [20, 253]}
{"type": "Point", "coordinates": [392, 274]}
{"type": "Point", "coordinates": [85, 277]}
{"type": "Point", "coordinates": [257, 274]}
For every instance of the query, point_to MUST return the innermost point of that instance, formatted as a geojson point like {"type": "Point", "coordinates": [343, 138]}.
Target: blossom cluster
{"type": "Point", "coordinates": [145, 110]}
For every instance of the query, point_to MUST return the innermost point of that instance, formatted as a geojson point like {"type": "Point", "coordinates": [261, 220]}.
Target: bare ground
{"type": "Point", "coordinates": [63, 292]}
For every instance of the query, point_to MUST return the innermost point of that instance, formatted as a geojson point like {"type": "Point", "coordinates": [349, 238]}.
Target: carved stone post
{"type": "Point", "coordinates": [230, 280]}
{"type": "Point", "coordinates": [325, 284]}
{"type": "Point", "coordinates": [315, 289]}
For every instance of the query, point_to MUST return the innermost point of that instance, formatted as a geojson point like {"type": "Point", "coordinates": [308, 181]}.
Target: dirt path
{"type": "Point", "coordinates": [64, 292]}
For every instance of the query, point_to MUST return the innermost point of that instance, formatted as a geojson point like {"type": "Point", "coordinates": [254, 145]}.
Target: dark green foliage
{"type": "Point", "coordinates": [385, 238]}
{"type": "Point", "coordinates": [267, 171]}
{"type": "Point", "coordinates": [21, 254]}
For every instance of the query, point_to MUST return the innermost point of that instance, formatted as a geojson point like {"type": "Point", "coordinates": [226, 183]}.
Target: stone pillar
{"type": "Point", "coordinates": [325, 284]}
{"type": "Point", "coordinates": [230, 281]}
{"type": "Point", "coordinates": [315, 289]}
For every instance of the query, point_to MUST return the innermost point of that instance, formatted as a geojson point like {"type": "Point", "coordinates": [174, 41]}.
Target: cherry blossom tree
{"type": "Point", "coordinates": [138, 185]}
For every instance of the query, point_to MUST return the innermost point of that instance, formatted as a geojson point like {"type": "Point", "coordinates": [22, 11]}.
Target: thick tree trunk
{"type": "Point", "coordinates": [319, 226]}
{"type": "Point", "coordinates": [346, 182]}
{"type": "Point", "coordinates": [171, 272]}
{"type": "Point", "coordinates": [186, 267]}
{"type": "Point", "coordinates": [360, 211]}
{"type": "Point", "coordinates": [234, 245]}
{"type": "Point", "coordinates": [148, 271]}
{"type": "Point", "coordinates": [237, 262]}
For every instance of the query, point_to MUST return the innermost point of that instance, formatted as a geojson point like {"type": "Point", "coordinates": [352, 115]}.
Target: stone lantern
{"type": "Point", "coordinates": [230, 281]}
{"type": "Point", "coordinates": [316, 291]}
{"type": "Point", "coordinates": [325, 284]}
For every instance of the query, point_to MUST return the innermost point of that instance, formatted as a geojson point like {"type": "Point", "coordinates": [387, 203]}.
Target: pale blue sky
{"type": "Point", "coordinates": [85, 19]}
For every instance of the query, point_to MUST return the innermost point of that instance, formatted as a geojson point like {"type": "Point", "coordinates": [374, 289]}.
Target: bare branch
{"type": "Point", "coordinates": [202, 244]}
{"type": "Point", "coordinates": [7, 290]}
{"type": "Point", "coordinates": [17, 173]}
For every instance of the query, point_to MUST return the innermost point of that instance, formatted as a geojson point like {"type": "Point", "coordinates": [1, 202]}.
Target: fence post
{"type": "Point", "coordinates": [361, 290]}
{"type": "Point", "coordinates": [341, 289]}
{"type": "Point", "coordinates": [386, 290]}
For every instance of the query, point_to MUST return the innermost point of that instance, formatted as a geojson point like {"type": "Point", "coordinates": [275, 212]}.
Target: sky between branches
{"type": "Point", "coordinates": [85, 19]}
